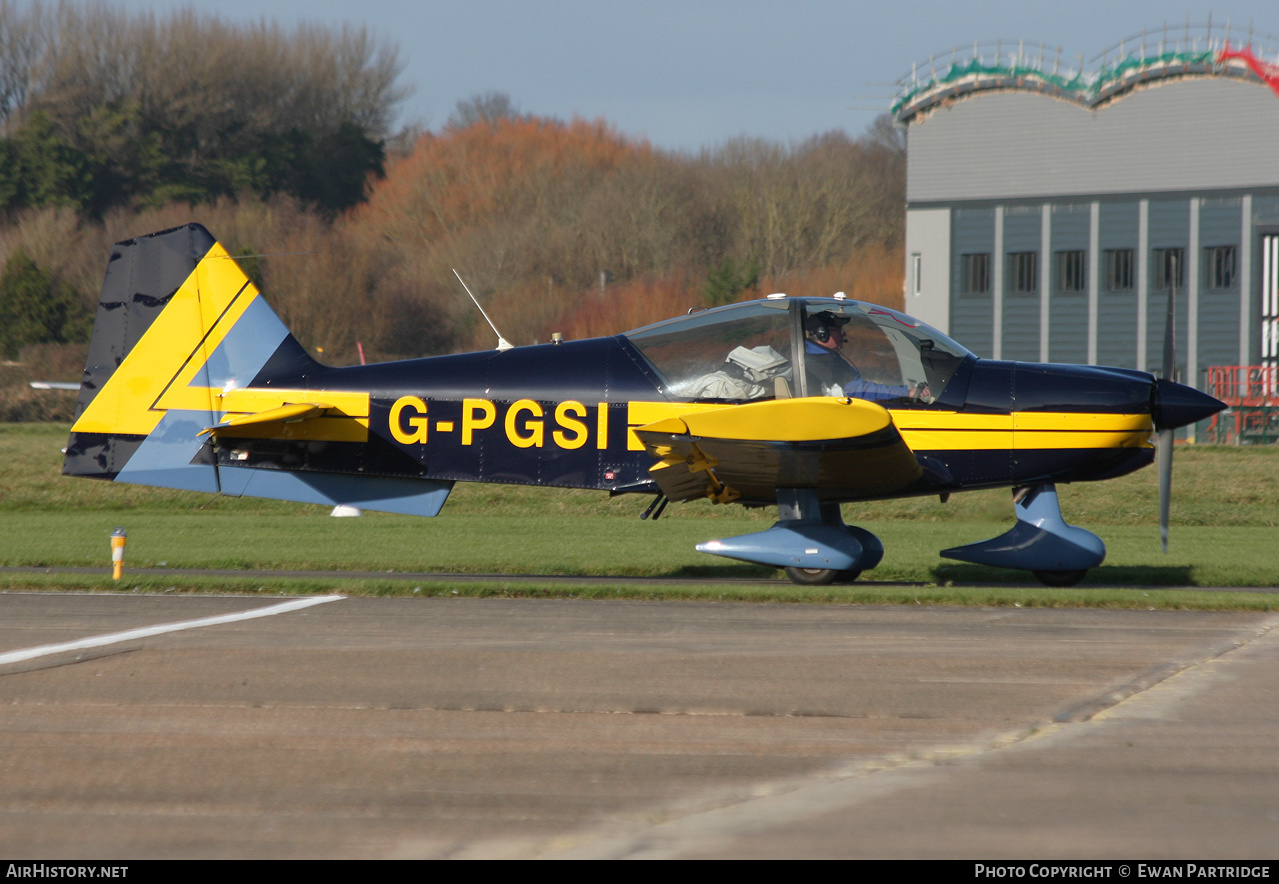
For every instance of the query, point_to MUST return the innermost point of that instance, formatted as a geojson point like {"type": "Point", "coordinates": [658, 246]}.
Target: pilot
{"type": "Point", "coordinates": [829, 368]}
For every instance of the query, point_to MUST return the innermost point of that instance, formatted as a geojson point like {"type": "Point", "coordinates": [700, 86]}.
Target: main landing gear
{"type": "Point", "coordinates": [1041, 542]}
{"type": "Point", "coordinates": [809, 540]}
{"type": "Point", "coordinates": [820, 576]}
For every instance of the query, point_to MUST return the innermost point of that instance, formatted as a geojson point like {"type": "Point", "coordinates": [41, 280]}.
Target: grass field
{"type": "Point", "coordinates": [1224, 533]}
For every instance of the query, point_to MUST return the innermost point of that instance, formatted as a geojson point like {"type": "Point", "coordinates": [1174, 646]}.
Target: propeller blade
{"type": "Point", "coordinates": [1170, 327]}
{"type": "Point", "coordinates": [1165, 483]}
{"type": "Point", "coordinates": [1166, 435]}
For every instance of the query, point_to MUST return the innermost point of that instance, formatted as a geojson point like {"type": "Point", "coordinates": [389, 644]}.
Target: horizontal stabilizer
{"type": "Point", "coordinates": [284, 414]}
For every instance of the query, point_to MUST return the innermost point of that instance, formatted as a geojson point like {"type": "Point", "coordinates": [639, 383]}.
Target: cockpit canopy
{"type": "Point", "coordinates": [768, 350]}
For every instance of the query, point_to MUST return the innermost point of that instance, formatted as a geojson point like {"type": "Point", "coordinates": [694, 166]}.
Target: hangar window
{"type": "Point", "coordinates": [1222, 267]}
{"type": "Point", "coordinates": [976, 274]}
{"type": "Point", "coordinates": [1169, 268]}
{"type": "Point", "coordinates": [1071, 268]}
{"type": "Point", "coordinates": [1119, 270]}
{"type": "Point", "coordinates": [1023, 271]}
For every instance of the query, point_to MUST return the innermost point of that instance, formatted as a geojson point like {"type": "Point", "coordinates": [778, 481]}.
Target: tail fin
{"type": "Point", "coordinates": [178, 326]}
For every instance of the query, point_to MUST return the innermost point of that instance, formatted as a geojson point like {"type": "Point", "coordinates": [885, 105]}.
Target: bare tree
{"type": "Point", "coordinates": [483, 107]}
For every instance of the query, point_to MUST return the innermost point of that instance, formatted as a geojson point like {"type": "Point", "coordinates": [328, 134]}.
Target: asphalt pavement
{"type": "Point", "coordinates": [455, 727]}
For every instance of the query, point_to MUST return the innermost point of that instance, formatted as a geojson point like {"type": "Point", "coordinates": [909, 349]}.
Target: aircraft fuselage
{"type": "Point", "coordinates": [564, 415]}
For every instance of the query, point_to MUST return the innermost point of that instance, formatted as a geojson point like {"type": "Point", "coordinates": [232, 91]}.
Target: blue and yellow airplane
{"type": "Point", "coordinates": [804, 403]}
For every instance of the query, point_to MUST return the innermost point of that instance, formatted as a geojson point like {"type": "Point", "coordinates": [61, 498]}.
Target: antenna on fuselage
{"type": "Point", "coordinates": [502, 343]}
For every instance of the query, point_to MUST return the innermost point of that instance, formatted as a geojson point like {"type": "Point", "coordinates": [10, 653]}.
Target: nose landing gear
{"type": "Point", "coordinates": [1041, 542]}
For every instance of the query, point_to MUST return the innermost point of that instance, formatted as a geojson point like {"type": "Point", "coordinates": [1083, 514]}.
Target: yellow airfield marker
{"type": "Point", "coordinates": [117, 553]}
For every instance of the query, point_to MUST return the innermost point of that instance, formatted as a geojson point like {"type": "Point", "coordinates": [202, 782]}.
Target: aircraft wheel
{"type": "Point", "coordinates": [1060, 578]}
{"type": "Point", "coordinates": [820, 576]}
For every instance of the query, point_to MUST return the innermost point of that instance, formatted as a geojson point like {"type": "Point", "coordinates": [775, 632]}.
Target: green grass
{"type": "Point", "coordinates": [1226, 504]}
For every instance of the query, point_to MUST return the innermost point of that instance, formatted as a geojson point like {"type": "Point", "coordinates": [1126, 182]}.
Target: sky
{"type": "Point", "coordinates": [695, 74]}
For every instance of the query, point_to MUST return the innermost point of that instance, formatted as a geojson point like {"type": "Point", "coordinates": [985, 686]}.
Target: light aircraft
{"type": "Point", "coordinates": [193, 382]}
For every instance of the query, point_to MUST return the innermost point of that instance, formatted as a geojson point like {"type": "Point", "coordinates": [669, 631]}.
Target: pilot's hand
{"type": "Point", "coordinates": [922, 393]}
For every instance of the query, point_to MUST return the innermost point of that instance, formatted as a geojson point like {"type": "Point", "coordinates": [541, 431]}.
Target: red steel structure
{"type": "Point", "coordinates": [1252, 394]}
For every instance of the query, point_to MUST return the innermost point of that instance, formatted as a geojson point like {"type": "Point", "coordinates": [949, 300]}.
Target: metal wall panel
{"type": "Point", "coordinates": [1117, 329]}
{"type": "Point", "coordinates": [1070, 226]}
{"type": "Point", "coordinates": [928, 237]}
{"type": "Point", "coordinates": [1218, 329]}
{"type": "Point", "coordinates": [1068, 338]}
{"type": "Point", "coordinates": [1020, 333]}
{"type": "Point", "coordinates": [1169, 229]}
{"type": "Point", "coordinates": [972, 323]}
{"type": "Point", "coordinates": [1169, 135]}
{"type": "Point", "coordinates": [972, 314]}
{"type": "Point", "coordinates": [1021, 228]}
{"type": "Point", "coordinates": [973, 230]}
{"type": "Point", "coordinates": [1220, 223]}
{"type": "Point", "coordinates": [1021, 327]}
{"type": "Point", "coordinates": [1162, 145]}
{"type": "Point", "coordinates": [1169, 224]}
{"type": "Point", "coordinates": [1265, 221]}
{"type": "Point", "coordinates": [1118, 224]}
{"type": "Point", "coordinates": [1219, 220]}
{"type": "Point", "coordinates": [1068, 311]}
{"type": "Point", "coordinates": [1265, 210]}
{"type": "Point", "coordinates": [1157, 322]}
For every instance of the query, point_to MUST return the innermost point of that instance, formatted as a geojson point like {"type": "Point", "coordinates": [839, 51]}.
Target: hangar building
{"type": "Point", "coordinates": [1052, 205]}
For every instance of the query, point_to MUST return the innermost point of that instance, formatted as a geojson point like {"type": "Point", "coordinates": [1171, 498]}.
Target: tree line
{"type": "Point", "coordinates": [573, 227]}
{"type": "Point", "coordinates": [279, 142]}
{"type": "Point", "coordinates": [103, 109]}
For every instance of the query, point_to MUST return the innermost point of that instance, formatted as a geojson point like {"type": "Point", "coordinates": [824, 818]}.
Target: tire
{"type": "Point", "coordinates": [1060, 578]}
{"type": "Point", "coordinates": [819, 576]}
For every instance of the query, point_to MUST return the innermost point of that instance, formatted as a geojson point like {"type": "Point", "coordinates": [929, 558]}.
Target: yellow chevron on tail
{"type": "Point", "coordinates": [158, 373]}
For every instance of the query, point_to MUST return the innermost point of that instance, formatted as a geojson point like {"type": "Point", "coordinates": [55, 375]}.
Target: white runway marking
{"type": "Point", "coordinates": [100, 640]}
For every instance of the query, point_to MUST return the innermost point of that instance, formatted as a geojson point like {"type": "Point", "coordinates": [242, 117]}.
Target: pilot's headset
{"type": "Point", "coordinates": [818, 325]}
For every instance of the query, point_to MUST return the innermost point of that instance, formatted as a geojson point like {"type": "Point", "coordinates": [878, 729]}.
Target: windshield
{"type": "Point", "coordinates": [872, 352]}
{"type": "Point", "coordinates": [744, 352]}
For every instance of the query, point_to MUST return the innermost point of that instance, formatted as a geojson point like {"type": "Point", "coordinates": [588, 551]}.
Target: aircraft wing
{"type": "Point", "coordinates": [844, 447]}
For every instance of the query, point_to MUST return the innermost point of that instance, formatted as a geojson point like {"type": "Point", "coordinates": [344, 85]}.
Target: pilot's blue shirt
{"type": "Point", "coordinates": [827, 368]}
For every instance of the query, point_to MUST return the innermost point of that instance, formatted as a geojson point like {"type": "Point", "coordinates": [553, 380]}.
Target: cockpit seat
{"type": "Point", "coordinates": [755, 373]}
